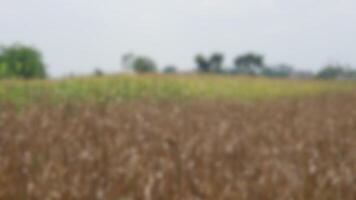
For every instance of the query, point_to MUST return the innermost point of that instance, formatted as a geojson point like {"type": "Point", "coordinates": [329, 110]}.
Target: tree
{"type": "Point", "coordinates": [203, 63]}
{"type": "Point", "coordinates": [249, 63]}
{"type": "Point", "coordinates": [21, 61]}
{"type": "Point", "coordinates": [143, 64]}
{"type": "Point", "coordinates": [170, 69]}
{"type": "Point", "coordinates": [216, 62]}
{"type": "Point", "coordinates": [212, 64]}
{"type": "Point", "coordinates": [334, 71]}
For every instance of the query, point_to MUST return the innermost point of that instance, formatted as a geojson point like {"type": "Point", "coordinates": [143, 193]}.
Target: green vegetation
{"type": "Point", "coordinates": [20, 61]}
{"type": "Point", "coordinates": [213, 64]}
{"type": "Point", "coordinates": [138, 64]}
{"type": "Point", "coordinates": [249, 63]}
{"type": "Point", "coordinates": [159, 87]}
{"type": "Point", "coordinates": [336, 72]}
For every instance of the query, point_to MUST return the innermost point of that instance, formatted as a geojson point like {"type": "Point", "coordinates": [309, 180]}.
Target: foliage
{"type": "Point", "coordinates": [336, 71]}
{"type": "Point", "coordinates": [213, 64]}
{"type": "Point", "coordinates": [203, 63]}
{"type": "Point", "coordinates": [139, 64]}
{"type": "Point", "coordinates": [216, 62]}
{"type": "Point", "coordinates": [249, 63]}
{"type": "Point", "coordinates": [19, 61]}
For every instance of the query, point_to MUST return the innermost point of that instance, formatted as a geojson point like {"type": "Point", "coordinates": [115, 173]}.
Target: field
{"type": "Point", "coordinates": [113, 89]}
{"type": "Point", "coordinates": [159, 138]}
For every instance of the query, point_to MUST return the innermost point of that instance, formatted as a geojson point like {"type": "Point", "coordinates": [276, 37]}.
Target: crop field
{"type": "Point", "coordinates": [113, 89]}
{"type": "Point", "coordinates": [179, 138]}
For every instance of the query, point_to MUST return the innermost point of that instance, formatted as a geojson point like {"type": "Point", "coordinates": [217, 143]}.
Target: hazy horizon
{"type": "Point", "coordinates": [78, 36]}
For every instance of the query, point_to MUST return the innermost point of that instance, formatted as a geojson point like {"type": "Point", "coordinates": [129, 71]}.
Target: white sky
{"type": "Point", "coordinates": [79, 35]}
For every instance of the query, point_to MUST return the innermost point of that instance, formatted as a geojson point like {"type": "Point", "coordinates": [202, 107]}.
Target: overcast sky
{"type": "Point", "coordinates": [76, 36]}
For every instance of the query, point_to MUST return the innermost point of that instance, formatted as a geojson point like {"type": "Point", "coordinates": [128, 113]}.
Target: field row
{"type": "Point", "coordinates": [122, 88]}
{"type": "Point", "coordinates": [300, 150]}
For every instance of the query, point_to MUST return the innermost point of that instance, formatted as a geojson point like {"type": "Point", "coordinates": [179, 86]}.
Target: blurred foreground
{"type": "Point", "coordinates": [302, 149]}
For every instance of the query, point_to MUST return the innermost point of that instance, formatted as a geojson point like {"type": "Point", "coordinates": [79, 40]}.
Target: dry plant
{"type": "Point", "coordinates": [302, 149]}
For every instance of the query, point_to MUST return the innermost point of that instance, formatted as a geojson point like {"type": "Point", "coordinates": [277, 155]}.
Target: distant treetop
{"type": "Point", "coordinates": [20, 61]}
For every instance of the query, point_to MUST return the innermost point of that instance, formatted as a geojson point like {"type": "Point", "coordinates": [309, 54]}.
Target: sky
{"type": "Point", "coordinates": [77, 36]}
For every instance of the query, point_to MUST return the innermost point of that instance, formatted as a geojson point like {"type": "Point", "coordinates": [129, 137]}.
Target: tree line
{"type": "Point", "coordinates": [21, 61]}
{"type": "Point", "coordinates": [251, 64]}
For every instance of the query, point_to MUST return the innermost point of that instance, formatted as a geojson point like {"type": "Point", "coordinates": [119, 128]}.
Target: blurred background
{"type": "Point", "coordinates": [78, 37]}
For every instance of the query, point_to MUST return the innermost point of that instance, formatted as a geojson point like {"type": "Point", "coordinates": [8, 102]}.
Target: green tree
{"type": "Point", "coordinates": [249, 63]}
{"type": "Point", "coordinates": [202, 63]}
{"type": "Point", "coordinates": [21, 61]}
{"type": "Point", "coordinates": [213, 64]}
{"type": "Point", "coordinates": [143, 64]}
{"type": "Point", "coordinates": [331, 72]}
{"type": "Point", "coordinates": [216, 62]}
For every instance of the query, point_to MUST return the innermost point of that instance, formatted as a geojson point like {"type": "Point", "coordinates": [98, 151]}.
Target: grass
{"type": "Point", "coordinates": [159, 87]}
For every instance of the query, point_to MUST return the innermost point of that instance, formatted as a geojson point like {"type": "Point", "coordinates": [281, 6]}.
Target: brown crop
{"type": "Point", "coordinates": [304, 149]}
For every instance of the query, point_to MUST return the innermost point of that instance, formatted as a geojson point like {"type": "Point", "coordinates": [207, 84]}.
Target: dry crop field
{"type": "Point", "coordinates": [214, 150]}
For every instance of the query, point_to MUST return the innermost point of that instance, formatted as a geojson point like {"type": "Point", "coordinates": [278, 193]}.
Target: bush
{"type": "Point", "coordinates": [335, 71]}
{"type": "Point", "coordinates": [19, 61]}
{"type": "Point", "coordinates": [144, 65]}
